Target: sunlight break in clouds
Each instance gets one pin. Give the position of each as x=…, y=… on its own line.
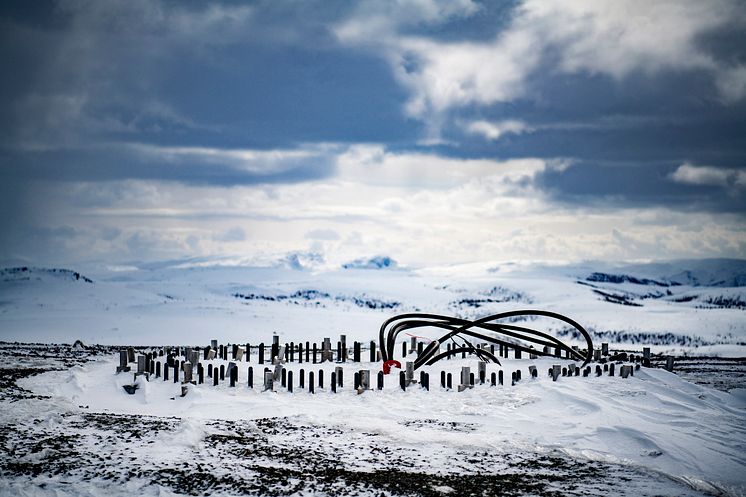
x=424, y=208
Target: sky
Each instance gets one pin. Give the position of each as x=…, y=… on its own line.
x=434, y=132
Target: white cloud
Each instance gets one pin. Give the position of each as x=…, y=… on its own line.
x=590, y=36
x=709, y=176
x=732, y=83
x=372, y=17
x=494, y=130
x=418, y=208
x=248, y=160
x=373, y=165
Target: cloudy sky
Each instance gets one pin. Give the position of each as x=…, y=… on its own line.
x=430, y=131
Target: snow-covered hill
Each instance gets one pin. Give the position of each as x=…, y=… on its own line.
x=188, y=302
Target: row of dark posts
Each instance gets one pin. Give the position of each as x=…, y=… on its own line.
x=468, y=378
x=311, y=352
x=148, y=364
x=292, y=352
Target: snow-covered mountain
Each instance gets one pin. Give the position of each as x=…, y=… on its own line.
x=193, y=301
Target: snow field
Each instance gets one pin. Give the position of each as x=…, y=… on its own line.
x=653, y=420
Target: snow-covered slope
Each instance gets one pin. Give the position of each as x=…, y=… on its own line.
x=653, y=420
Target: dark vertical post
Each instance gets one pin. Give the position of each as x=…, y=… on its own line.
x=339, y=352
x=500, y=377
x=215, y=378
x=314, y=352
x=302, y=382
x=261, y=353
x=442, y=379
x=300, y=353
x=380, y=380
x=471, y=379
x=449, y=381
x=333, y=381
x=284, y=378
x=158, y=369
x=222, y=372
x=209, y=370
x=404, y=349
x=200, y=374
x=290, y=381
x=493, y=379
x=274, y=352
x=292, y=351
x=356, y=351
x=355, y=380
x=176, y=372
x=251, y=377
x=165, y=372
x=234, y=376
x=669, y=364
x=308, y=350
x=310, y=381
x=248, y=352
x=420, y=346
x=321, y=378
x=403, y=378
x=372, y=351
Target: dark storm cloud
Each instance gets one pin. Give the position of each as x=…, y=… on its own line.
x=609, y=186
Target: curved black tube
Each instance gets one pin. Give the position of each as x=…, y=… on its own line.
x=461, y=328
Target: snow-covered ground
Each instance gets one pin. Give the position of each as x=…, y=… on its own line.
x=71, y=429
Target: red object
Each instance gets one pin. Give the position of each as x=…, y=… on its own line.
x=389, y=364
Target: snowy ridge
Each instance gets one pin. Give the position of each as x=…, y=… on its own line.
x=698, y=273
x=321, y=299
x=376, y=262
x=25, y=273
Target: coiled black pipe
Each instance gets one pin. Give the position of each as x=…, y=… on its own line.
x=461, y=328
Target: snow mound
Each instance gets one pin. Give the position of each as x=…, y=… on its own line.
x=652, y=420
